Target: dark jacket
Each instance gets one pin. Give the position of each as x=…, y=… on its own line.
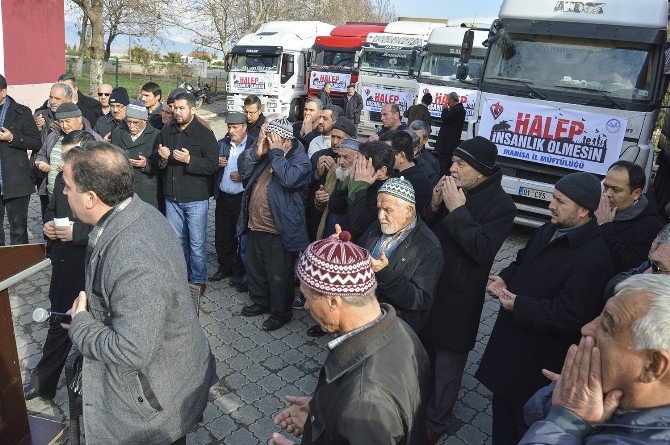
x=402, y=126
x=60, y=208
x=418, y=112
x=356, y=107
x=430, y=166
x=554, y=425
x=360, y=209
x=224, y=150
x=106, y=124
x=408, y=282
x=156, y=117
x=16, y=174
x=423, y=191
x=453, y=120
x=287, y=191
x=358, y=401
x=629, y=241
x=254, y=129
x=192, y=181
x=470, y=237
x=145, y=180
x=618, y=278
x=325, y=98
x=306, y=139
x=559, y=287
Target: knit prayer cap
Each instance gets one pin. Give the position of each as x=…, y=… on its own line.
x=351, y=144
x=400, y=188
x=137, y=110
x=67, y=110
x=282, y=127
x=336, y=266
x=583, y=188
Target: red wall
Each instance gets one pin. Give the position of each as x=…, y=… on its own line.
x=34, y=40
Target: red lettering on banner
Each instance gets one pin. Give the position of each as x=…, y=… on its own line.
x=249, y=80
x=536, y=127
x=522, y=121
x=561, y=127
x=440, y=99
x=329, y=78
x=576, y=128
x=547, y=127
x=386, y=98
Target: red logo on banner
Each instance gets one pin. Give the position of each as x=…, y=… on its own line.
x=496, y=110
x=367, y=91
x=426, y=91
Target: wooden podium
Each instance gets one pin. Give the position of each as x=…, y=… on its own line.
x=16, y=427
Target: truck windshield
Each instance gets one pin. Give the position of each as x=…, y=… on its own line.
x=255, y=62
x=338, y=58
x=386, y=59
x=623, y=70
x=443, y=67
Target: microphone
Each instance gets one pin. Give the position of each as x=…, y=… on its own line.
x=41, y=315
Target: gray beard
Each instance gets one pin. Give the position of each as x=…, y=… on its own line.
x=342, y=173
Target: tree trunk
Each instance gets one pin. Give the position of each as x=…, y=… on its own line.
x=83, y=44
x=97, y=44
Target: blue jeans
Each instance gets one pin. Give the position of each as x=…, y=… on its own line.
x=189, y=220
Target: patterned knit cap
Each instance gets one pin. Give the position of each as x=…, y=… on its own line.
x=400, y=188
x=282, y=127
x=336, y=266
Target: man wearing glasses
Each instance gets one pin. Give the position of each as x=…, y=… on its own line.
x=104, y=91
x=253, y=109
x=658, y=262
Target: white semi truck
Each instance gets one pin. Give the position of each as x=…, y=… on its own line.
x=438, y=72
x=271, y=63
x=570, y=86
x=387, y=68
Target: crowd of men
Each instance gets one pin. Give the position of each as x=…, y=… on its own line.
x=392, y=248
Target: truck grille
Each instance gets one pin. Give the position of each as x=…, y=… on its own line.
x=375, y=116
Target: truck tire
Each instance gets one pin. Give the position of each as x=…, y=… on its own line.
x=295, y=111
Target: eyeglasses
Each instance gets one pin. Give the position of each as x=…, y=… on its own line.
x=104, y=94
x=251, y=113
x=657, y=270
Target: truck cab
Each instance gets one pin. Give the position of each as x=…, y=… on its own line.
x=271, y=63
x=334, y=58
x=387, y=68
x=570, y=86
x=437, y=74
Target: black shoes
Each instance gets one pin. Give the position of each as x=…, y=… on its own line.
x=32, y=393
x=316, y=331
x=254, y=309
x=239, y=283
x=273, y=323
x=218, y=276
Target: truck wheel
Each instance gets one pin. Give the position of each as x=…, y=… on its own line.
x=295, y=111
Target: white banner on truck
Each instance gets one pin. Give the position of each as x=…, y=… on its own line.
x=375, y=98
x=250, y=82
x=440, y=92
x=575, y=140
x=340, y=81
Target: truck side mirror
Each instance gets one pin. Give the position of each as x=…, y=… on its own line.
x=288, y=67
x=495, y=32
x=466, y=47
x=412, y=64
x=228, y=62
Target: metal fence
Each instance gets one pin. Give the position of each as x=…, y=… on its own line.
x=132, y=76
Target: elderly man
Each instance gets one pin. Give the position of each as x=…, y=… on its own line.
x=307, y=130
x=374, y=384
x=614, y=386
x=471, y=215
x=253, y=109
x=453, y=120
x=118, y=102
x=186, y=153
x=228, y=190
x=49, y=160
x=147, y=365
x=18, y=134
x=402, y=143
x=327, y=117
x=546, y=295
x=626, y=219
x=45, y=118
x=273, y=216
x=391, y=121
x=423, y=157
x=324, y=94
x=151, y=95
x=104, y=91
x=406, y=255
x=352, y=105
x=137, y=137
x=90, y=108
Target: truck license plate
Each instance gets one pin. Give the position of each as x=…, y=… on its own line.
x=532, y=193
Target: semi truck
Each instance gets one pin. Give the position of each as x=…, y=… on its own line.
x=570, y=86
x=438, y=72
x=271, y=64
x=387, y=68
x=334, y=58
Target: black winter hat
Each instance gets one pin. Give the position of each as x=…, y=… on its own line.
x=479, y=153
x=119, y=96
x=345, y=124
x=583, y=188
x=67, y=110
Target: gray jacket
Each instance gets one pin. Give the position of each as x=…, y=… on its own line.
x=553, y=425
x=147, y=364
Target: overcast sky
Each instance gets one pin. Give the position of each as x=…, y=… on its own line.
x=447, y=8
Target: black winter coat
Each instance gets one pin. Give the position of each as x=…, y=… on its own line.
x=453, y=120
x=356, y=107
x=146, y=183
x=629, y=241
x=559, y=287
x=192, y=181
x=470, y=237
x=408, y=281
x=16, y=172
x=423, y=190
x=361, y=209
x=358, y=401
